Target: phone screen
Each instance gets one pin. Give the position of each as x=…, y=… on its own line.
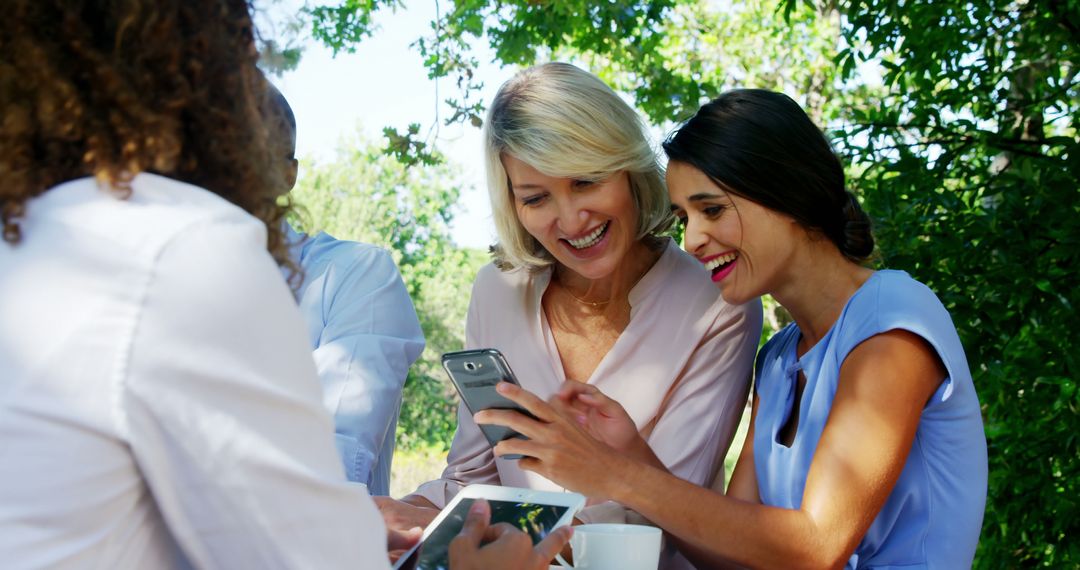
x=535, y=520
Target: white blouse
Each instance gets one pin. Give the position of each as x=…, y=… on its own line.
x=159, y=405
x=681, y=368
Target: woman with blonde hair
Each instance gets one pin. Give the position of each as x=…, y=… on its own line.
x=585, y=287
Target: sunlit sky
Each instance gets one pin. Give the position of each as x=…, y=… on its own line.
x=385, y=84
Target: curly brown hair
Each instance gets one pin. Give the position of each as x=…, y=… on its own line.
x=109, y=89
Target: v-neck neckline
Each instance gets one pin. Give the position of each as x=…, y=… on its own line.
x=636, y=294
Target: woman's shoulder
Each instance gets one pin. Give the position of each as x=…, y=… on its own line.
x=896, y=300
x=184, y=202
x=687, y=283
x=502, y=301
x=178, y=209
x=491, y=278
x=681, y=277
x=681, y=262
x=155, y=212
x=508, y=290
x=895, y=284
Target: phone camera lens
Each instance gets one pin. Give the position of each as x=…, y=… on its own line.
x=470, y=366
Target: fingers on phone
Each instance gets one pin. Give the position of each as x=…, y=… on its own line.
x=516, y=448
x=526, y=399
x=531, y=464
x=520, y=423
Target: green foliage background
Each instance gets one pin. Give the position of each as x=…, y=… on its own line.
x=959, y=124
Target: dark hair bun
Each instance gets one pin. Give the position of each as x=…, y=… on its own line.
x=856, y=238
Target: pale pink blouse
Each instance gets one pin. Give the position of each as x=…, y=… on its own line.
x=681, y=368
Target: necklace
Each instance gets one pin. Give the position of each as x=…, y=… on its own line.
x=601, y=303
x=583, y=301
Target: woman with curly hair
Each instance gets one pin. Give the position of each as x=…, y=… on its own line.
x=158, y=403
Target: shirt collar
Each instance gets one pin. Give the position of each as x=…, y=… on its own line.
x=297, y=242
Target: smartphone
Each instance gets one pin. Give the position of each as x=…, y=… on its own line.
x=475, y=373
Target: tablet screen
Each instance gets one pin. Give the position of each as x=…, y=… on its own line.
x=536, y=520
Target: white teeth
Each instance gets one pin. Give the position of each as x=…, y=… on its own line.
x=720, y=261
x=589, y=240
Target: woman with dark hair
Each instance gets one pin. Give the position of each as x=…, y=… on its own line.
x=866, y=446
x=158, y=401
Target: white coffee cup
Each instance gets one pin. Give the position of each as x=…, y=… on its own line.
x=614, y=547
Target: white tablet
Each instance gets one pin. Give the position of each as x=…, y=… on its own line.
x=534, y=512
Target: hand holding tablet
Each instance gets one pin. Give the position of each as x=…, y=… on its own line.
x=522, y=532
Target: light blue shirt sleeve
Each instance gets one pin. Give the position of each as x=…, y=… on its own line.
x=365, y=335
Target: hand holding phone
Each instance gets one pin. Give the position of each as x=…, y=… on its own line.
x=475, y=373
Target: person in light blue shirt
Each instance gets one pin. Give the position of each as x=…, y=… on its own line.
x=866, y=446
x=365, y=335
x=363, y=329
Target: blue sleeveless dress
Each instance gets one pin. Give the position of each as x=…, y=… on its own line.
x=933, y=516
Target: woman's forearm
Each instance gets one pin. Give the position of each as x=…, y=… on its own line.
x=643, y=452
x=721, y=529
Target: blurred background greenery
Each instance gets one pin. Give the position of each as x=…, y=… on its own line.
x=958, y=124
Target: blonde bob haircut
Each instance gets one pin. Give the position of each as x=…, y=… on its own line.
x=566, y=123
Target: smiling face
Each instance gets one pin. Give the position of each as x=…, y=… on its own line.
x=588, y=226
x=747, y=248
